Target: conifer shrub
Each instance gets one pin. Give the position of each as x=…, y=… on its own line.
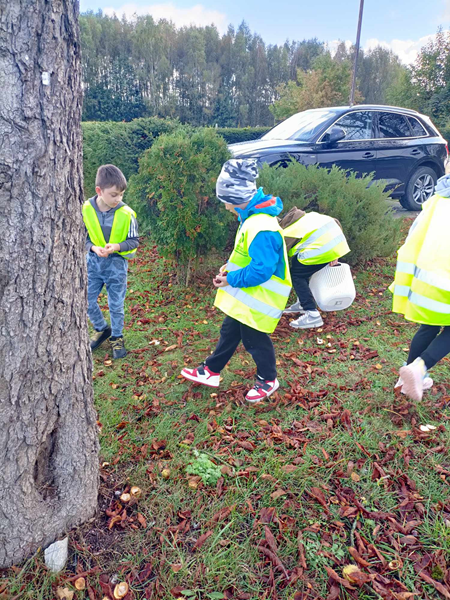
x=358, y=203
x=174, y=196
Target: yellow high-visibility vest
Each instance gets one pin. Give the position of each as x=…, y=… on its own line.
x=260, y=306
x=119, y=231
x=421, y=286
x=321, y=240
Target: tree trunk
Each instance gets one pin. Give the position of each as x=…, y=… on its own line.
x=48, y=431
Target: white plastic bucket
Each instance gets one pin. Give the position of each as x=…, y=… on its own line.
x=333, y=287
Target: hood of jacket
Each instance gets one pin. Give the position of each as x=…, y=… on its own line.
x=261, y=204
x=443, y=186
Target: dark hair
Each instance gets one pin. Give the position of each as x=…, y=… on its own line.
x=109, y=176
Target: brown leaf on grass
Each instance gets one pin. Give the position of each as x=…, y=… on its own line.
x=274, y=560
x=408, y=540
x=337, y=578
x=201, y=540
x=64, y=593
x=176, y=567
x=172, y=347
x=270, y=540
x=354, y=575
x=318, y=495
x=356, y=556
x=246, y=445
x=221, y=515
x=278, y=493
x=176, y=591
x=289, y=468
x=267, y=515
x=438, y=586
x=335, y=592
x=142, y=520
x=113, y=521
x=301, y=551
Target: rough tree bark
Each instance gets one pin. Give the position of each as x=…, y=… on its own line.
x=48, y=431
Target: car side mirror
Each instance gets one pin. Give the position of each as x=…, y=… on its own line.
x=336, y=134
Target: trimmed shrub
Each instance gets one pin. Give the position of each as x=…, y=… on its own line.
x=369, y=227
x=121, y=144
x=174, y=194
x=234, y=135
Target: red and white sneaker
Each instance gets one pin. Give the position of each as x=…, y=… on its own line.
x=262, y=390
x=202, y=375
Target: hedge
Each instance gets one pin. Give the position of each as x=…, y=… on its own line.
x=123, y=144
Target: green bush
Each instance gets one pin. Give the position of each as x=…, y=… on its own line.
x=445, y=132
x=234, y=135
x=120, y=144
x=368, y=224
x=174, y=194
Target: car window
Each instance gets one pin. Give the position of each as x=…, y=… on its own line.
x=357, y=125
x=302, y=126
x=393, y=125
x=417, y=127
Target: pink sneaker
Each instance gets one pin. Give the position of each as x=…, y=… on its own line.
x=413, y=376
x=262, y=390
x=202, y=375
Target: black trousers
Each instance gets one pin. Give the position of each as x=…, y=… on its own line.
x=301, y=274
x=257, y=343
x=431, y=344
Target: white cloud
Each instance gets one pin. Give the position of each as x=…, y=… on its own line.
x=333, y=45
x=197, y=15
x=446, y=14
x=407, y=50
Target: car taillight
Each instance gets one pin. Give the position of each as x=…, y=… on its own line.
x=446, y=147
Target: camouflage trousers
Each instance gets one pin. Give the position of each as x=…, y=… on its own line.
x=110, y=272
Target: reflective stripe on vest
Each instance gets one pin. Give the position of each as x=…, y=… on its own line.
x=270, y=284
x=119, y=230
x=261, y=306
x=320, y=239
x=421, y=288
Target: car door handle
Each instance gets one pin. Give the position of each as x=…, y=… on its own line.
x=368, y=155
x=416, y=152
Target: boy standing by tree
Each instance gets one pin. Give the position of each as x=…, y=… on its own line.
x=254, y=286
x=112, y=240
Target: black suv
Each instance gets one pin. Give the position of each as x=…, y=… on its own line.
x=400, y=146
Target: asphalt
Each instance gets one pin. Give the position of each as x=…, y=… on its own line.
x=400, y=212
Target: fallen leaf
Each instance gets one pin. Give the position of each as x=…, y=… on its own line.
x=201, y=540
x=354, y=575
x=142, y=520
x=172, y=347
x=64, y=593
x=176, y=567
x=277, y=494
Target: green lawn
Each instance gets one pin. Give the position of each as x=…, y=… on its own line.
x=334, y=471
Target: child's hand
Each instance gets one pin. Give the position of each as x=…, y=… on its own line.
x=334, y=263
x=99, y=251
x=110, y=248
x=223, y=268
x=220, y=281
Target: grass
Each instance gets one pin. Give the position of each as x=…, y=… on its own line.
x=318, y=467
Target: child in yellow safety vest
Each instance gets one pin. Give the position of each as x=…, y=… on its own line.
x=421, y=290
x=254, y=286
x=313, y=241
x=112, y=240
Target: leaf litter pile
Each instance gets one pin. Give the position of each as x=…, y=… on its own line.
x=337, y=488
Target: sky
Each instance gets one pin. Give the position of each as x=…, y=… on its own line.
x=401, y=25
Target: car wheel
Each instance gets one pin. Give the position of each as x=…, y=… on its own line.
x=420, y=188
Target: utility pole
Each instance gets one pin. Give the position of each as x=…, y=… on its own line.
x=355, y=64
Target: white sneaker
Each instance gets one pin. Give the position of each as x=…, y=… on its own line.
x=262, y=390
x=413, y=376
x=202, y=375
x=294, y=308
x=310, y=319
x=427, y=384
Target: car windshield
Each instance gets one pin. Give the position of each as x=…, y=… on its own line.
x=302, y=126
